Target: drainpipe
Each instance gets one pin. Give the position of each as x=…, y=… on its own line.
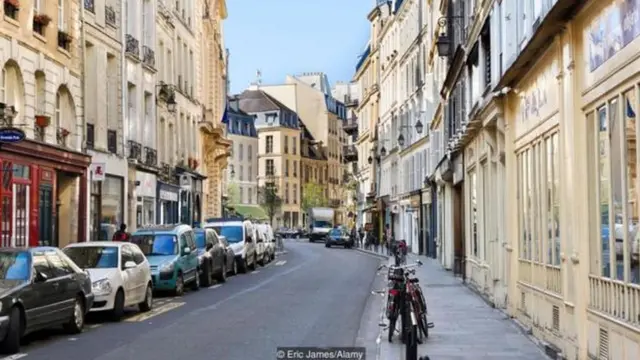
x=83, y=50
x=123, y=96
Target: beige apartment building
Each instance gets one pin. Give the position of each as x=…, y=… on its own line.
x=309, y=96
x=279, y=157
x=41, y=52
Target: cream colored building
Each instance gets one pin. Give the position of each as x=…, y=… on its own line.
x=41, y=91
x=309, y=96
x=552, y=175
x=243, y=162
x=103, y=84
x=279, y=155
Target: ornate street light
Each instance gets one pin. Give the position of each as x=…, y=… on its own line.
x=401, y=140
x=370, y=160
x=383, y=151
x=444, y=43
x=419, y=127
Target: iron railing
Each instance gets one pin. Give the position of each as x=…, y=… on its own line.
x=132, y=46
x=151, y=156
x=135, y=150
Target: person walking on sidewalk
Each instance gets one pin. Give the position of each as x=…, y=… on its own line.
x=122, y=234
x=388, y=240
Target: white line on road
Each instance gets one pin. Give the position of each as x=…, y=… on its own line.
x=92, y=326
x=14, y=357
x=214, y=286
x=155, y=312
x=255, y=272
x=281, y=262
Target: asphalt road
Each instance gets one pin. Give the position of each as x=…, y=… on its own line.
x=310, y=296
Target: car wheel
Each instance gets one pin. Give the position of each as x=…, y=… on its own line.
x=327, y=245
x=11, y=343
x=206, y=275
x=222, y=277
x=242, y=265
x=254, y=262
x=195, y=285
x=118, y=306
x=261, y=262
x=179, y=290
x=147, y=304
x=76, y=323
x=234, y=267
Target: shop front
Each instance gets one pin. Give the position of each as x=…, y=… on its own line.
x=43, y=195
x=168, y=204
x=146, y=192
x=106, y=197
x=190, y=199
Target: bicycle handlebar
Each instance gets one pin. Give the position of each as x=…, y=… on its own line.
x=404, y=267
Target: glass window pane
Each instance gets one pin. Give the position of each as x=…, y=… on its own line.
x=112, y=207
x=556, y=198
x=617, y=189
x=604, y=187
x=632, y=185
x=549, y=206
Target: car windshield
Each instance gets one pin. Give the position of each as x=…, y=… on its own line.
x=156, y=244
x=93, y=257
x=201, y=239
x=322, y=224
x=233, y=233
x=335, y=232
x=15, y=265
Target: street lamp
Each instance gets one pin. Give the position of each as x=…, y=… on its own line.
x=370, y=160
x=419, y=127
x=169, y=96
x=233, y=172
x=383, y=151
x=7, y=114
x=444, y=40
x=401, y=140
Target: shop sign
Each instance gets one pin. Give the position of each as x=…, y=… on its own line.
x=185, y=182
x=98, y=171
x=538, y=99
x=147, y=184
x=614, y=29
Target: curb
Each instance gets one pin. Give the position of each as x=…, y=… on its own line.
x=381, y=256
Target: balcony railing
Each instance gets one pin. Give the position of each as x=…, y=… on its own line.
x=132, y=46
x=350, y=126
x=61, y=136
x=135, y=151
x=148, y=57
x=110, y=16
x=150, y=157
x=167, y=173
x=350, y=101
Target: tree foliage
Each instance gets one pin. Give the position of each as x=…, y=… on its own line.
x=313, y=196
x=233, y=193
x=269, y=199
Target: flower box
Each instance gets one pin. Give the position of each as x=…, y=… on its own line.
x=64, y=39
x=43, y=121
x=42, y=19
x=11, y=8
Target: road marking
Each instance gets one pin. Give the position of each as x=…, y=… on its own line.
x=255, y=272
x=92, y=326
x=214, y=286
x=281, y=262
x=155, y=312
x=14, y=357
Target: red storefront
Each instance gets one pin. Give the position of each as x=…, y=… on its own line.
x=33, y=175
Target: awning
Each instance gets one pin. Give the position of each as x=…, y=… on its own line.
x=250, y=211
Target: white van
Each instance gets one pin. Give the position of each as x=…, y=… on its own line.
x=269, y=242
x=242, y=238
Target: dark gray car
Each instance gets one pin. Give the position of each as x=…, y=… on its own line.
x=232, y=264
x=212, y=256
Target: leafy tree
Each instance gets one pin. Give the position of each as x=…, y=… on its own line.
x=233, y=192
x=269, y=199
x=313, y=196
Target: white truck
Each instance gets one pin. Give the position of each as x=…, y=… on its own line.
x=320, y=221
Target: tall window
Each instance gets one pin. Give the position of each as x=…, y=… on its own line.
x=58, y=106
x=294, y=145
x=474, y=211
x=269, y=168
x=295, y=168
x=250, y=151
x=62, y=21
x=241, y=173
x=295, y=195
x=240, y=152
x=269, y=144
x=286, y=168
x=286, y=144
x=286, y=193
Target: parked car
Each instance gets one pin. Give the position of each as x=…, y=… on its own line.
x=172, y=253
x=241, y=236
x=40, y=288
x=261, y=247
x=232, y=265
x=120, y=275
x=340, y=237
x=270, y=244
x=211, y=256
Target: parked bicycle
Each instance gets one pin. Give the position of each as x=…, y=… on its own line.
x=404, y=297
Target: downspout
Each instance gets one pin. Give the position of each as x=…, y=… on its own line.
x=123, y=96
x=83, y=50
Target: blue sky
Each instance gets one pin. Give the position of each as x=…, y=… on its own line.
x=282, y=37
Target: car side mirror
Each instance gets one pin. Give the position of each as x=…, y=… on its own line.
x=209, y=246
x=40, y=277
x=186, y=251
x=129, y=265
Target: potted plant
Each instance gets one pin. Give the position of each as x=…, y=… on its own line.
x=195, y=164
x=11, y=8
x=64, y=39
x=43, y=121
x=63, y=132
x=42, y=19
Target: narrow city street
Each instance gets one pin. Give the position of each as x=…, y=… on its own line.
x=310, y=296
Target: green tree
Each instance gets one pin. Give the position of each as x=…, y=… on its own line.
x=269, y=199
x=313, y=196
x=233, y=193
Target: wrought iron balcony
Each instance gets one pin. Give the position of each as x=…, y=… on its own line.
x=150, y=157
x=349, y=153
x=148, y=56
x=350, y=126
x=132, y=46
x=135, y=150
x=110, y=16
x=335, y=203
x=167, y=173
x=350, y=101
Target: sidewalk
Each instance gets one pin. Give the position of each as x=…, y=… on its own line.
x=465, y=326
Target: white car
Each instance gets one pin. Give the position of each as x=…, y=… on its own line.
x=269, y=241
x=120, y=275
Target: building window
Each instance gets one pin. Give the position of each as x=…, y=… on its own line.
x=112, y=141
x=270, y=168
x=286, y=193
x=474, y=211
x=250, y=151
x=112, y=214
x=241, y=173
x=295, y=168
x=286, y=168
x=269, y=144
x=286, y=144
x=240, y=152
x=249, y=194
x=295, y=195
x=90, y=136
x=294, y=147
x=250, y=173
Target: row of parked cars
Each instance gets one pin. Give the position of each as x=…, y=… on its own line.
x=43, y=287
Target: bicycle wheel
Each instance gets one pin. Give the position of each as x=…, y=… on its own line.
x=421, y=311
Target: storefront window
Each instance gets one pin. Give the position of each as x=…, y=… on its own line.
x=112, y=206
x=633, y=236
x=552, y=182
x=474, y=212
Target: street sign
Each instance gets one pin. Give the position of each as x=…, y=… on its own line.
x=98, y=171
x=10, y=135
x=185, y=182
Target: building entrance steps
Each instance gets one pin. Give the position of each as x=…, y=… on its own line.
x=465, y=327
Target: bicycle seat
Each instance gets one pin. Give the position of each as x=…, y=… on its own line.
x=414, y=280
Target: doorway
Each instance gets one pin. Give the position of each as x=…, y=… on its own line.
x=66, y=210
x=459, y=251
x=45, y=212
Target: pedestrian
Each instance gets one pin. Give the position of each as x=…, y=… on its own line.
x=122, y=234
x=361, y=237
x=389, y=239
x=375, y=241
x=354, y=235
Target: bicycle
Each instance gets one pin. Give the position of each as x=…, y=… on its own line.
x=402, y=287
x=400, y=252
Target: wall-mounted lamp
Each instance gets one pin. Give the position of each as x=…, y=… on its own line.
x=168, y=93
x=444, y=43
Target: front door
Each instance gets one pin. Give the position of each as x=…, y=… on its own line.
x=20, y=209
x=45, y=211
